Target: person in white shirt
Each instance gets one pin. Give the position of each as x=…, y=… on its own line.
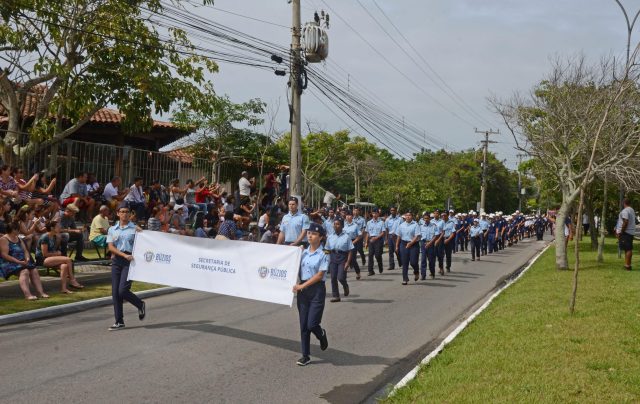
x=111, y=193
x=136, y=199
x=244, y=186
x=329, y=197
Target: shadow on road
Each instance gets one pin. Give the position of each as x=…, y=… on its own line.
x=369, y=301
x=334, y=356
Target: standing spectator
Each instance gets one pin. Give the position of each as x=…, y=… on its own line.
x=625, y=231
x=263, y=222
x=76, y=192
x=70, y=232
x=135, y=199
x=244, y=186
x=100, y=227
x=585, y=223
x=120, y=238
x=190, y=197
x=112, y=194
x=203, y=194
x=17, y=261
x=176, y=194
x=270, y=189
x=49, y=255
x=329, y=197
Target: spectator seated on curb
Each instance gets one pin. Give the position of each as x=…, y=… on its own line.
x=5, y=208
x=27, y=226
x=177, y=223
x=8, y=186
x=199, y=226
x=112, y=195
x=70, y=232
x=228, y=228
x=156, y=220
x=15, y=260
x=76, y=192
x=49, y=255
x=43, y=191
x=136, y=199
x=100, y=227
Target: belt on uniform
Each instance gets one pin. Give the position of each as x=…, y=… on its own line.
x=126, y=252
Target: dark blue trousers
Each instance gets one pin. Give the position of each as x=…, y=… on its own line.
x=492, y=244
x=448, y=248
x=375, y=250
x=409, y=256
x=391, y=240
x=336, y=268
x=310, y=308
x=440, y=253
x=354, y=258
x=359, y=246
x=485, y=240
x=121, y=288
x=428, y=254
x=476, y=243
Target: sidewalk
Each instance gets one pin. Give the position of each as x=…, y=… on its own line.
x=87, y=273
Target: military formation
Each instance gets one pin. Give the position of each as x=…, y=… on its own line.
x=334, y=241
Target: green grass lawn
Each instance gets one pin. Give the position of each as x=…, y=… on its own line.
x=526, y=347
x=15, y=305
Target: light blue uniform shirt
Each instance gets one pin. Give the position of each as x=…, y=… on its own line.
x=122, y=237
x=391, y=224
x=475, y=231
x=352, y=229
x=407, y=231
x=292, y=226
x=328, y=226
x=439, y=223
x=360, y=222
x=484, y=225
x=312, y=263
x=375, y=227
x=448, y=228
x=428, y=231
x=341, y=242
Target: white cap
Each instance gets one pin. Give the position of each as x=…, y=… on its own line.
x=178, y=207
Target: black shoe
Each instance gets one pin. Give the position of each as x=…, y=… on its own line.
x=357, y=277
x=405, y=283
x=432, y=276
x=379, y=271
x=324, y=342
x=116, y=326
x=371, y=273
x=473, y=259
x=416, y=277
x=142, y=311
x=346, y=290
x=81, y=259
x=335, y=300
x=448, y=269
x=390, y=269
x=304, y=361
x=424, y=278
x=364, y=261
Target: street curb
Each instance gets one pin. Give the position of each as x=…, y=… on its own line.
x=63, y=309
x=449, y=338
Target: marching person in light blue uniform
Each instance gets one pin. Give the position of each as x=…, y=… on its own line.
x=484, y=226
x=360, y=244
x=312, y=292
x=328, y=222
x=427, y=246
x=391, y=224
x=340, y=248
x=374, y=240
x=294, y=225
x=408, y=233
x=439, y=243
x=477, y=236
x=120, y=239
x=449, y=230
x=355, y=235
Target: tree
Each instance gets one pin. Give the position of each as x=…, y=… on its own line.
x=79, y=56
x=578, y=123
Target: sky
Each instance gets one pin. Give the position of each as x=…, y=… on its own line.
x=480, y=48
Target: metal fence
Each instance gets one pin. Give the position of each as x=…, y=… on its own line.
x=70, y=157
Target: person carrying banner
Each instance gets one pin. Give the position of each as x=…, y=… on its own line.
x=311, y=292
x=120, y=238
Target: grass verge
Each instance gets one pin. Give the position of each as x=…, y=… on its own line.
x=16, y=305
x=526, y=347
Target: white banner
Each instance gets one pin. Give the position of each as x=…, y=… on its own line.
x=245, y=269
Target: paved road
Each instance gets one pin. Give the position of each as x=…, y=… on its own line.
x=198, y=347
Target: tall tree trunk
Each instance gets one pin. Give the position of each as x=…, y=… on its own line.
x=574, y=289
x=603, y=227
x=561, y=247
x=588, y=203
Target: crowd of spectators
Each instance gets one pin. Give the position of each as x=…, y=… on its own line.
x=40, y=228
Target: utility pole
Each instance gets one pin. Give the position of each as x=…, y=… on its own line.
x=485, y=148
x=520, y=156
x=295, y=174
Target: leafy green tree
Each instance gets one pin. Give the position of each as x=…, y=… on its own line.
x=79, y=56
